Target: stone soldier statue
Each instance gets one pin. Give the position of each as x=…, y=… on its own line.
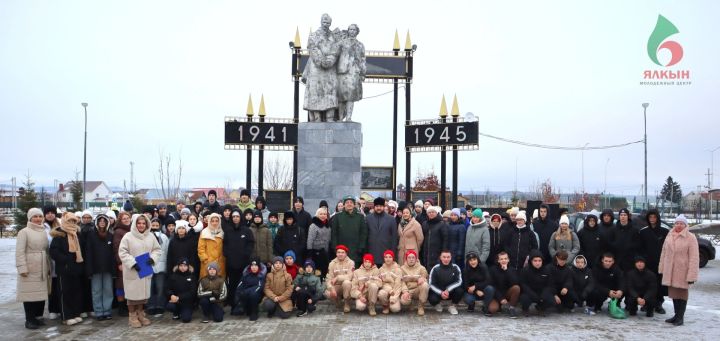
x=320, y=74
x=350, y=72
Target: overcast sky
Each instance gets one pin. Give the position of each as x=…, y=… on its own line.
x=161, y=75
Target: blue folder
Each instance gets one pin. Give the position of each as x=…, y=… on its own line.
x=142, y=262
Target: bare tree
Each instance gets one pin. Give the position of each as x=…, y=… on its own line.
x=169, y=180
x=277, y=174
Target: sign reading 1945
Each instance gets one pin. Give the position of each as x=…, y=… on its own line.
x=430, y=136
x=273, y=134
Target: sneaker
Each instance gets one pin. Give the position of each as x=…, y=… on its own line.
x=158, y=315
x=253, y=317
x=660, y=310
x=53, y=316
x=452, y=310
x=176, y=317
x=92, y=314
x=31, y=325
x=301, y=313
x=439, y=307
x=205, y=320
x=108, y=317
x=513, y=313
x=487, y=312
x=471, y=308
x=589, y=311
x=39, y=321
x=84, y=315
x=79, y=319
x=70, y=322
x=311, y=309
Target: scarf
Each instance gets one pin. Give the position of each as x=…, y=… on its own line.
x=404, y=223
x=71, y=230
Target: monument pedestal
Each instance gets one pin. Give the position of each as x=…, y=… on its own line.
x=329, y=165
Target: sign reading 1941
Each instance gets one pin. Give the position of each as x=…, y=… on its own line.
x=426, y=135
x=272, y=134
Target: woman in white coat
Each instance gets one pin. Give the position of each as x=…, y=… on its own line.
x=33, y=267
x=137, y=290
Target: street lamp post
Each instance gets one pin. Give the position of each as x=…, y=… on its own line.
x=85, y=158
x=582, y=166
x=605, y=188
x=645, y=105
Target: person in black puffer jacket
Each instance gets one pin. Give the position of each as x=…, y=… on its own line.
x=478, y=285
x=592, y=241
x=238, y=247
x=250, y=290
x=583, y=283
x=290, y=236
x=641, y=285
x=609, y=282
x=562, y=280
x=182, y=291
x=435, y=231
x=506, y=282
x=499, y=234
x=520, y=242
x=100, y=266
x=544, y=227
x=536, y=284
x=650, y=242
x=623, y=240
x=184, y=245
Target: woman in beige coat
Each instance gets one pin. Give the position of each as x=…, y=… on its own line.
x=410, y=233
x=137, y=290
x=679, y=264
x=33, y=267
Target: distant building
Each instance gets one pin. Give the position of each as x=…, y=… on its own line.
x=94, y=191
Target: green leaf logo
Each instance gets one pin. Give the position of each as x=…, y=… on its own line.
x=664, y=29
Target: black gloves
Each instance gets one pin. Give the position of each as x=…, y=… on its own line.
x=150, y=262
x=136, y=267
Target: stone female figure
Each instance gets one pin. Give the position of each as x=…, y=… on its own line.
x=351, y=72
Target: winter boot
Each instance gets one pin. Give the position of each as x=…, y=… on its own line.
x=122, y=309
x=371, y=310
x=346, y=306
x=133, y=321
x=680, y=320
x=421, y=309
x=141, y=316
x=675, y=309
x=386, y=310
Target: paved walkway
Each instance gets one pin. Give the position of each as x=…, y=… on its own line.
x=702, y=322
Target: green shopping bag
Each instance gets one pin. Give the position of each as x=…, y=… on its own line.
x=615, y=311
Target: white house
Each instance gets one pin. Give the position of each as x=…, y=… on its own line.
x=95, y=191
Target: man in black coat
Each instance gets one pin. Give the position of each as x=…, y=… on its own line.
x=238, y=247
x=544, y=227
x=212, y=204
x=382, y=231
x=650, y=242
x=641, y=288
x=609, y=282
x=506, y=282
x=623, y=240
x=435, y=231
x=536, y=285
x=562, y=280
x=303, y=219
x=592, y=241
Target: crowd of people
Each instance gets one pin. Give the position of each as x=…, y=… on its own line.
x=391, y=256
